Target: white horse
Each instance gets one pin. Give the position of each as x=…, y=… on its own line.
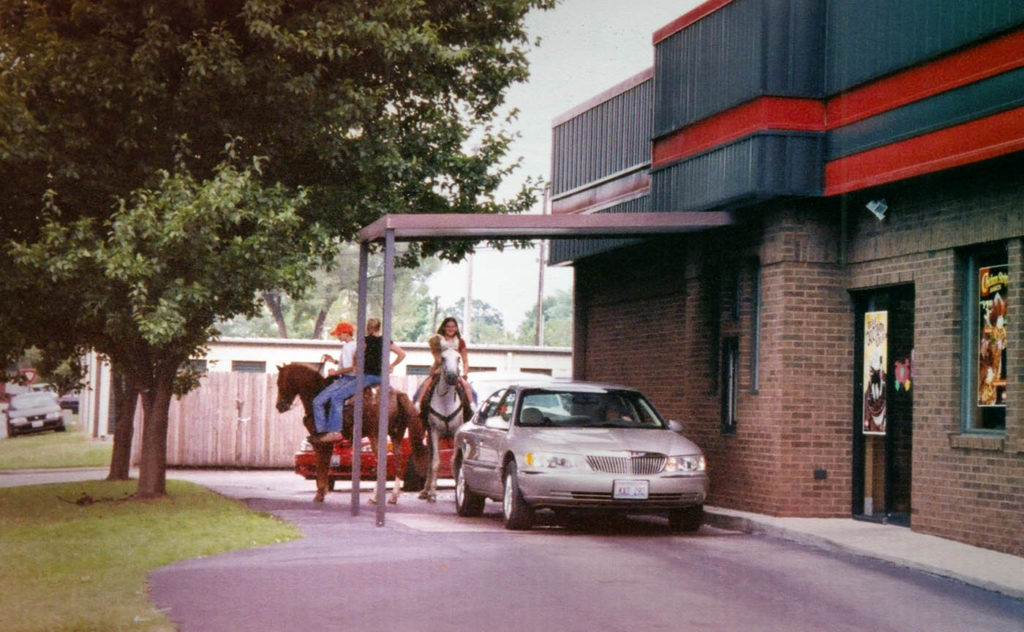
x=447, y=410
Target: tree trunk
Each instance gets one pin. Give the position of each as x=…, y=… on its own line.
x=126, y=396
x=273, y=301
x=318, y=327
x=156, y=403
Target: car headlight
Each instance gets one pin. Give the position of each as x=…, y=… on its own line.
x=686, y=463
x=550, y=460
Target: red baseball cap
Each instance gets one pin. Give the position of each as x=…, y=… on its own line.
x=343, y=327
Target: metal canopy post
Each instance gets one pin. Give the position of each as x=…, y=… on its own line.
x=385, y=382
x=357, y=409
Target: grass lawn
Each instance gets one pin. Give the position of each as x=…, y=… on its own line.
x=75, y=556
x=53, y=449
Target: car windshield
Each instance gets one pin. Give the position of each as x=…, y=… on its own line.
x=32, y=400
x=588, y=409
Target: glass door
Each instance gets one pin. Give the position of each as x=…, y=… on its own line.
x=883, y=404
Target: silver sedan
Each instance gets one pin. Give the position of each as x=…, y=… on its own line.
x=576, y=445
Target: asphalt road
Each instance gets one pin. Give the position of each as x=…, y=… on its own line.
x=428, y=570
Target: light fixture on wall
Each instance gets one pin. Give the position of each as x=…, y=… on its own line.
x=878, y=208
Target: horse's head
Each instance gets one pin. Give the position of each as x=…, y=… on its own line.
x=450, y=365
x=286, y=388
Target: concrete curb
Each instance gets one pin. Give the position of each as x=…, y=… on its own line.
x=974, y=566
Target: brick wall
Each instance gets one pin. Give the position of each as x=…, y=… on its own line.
x=654, y=316
x=967, y=487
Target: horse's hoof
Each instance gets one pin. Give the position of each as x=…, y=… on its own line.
x=431, y=498
x=319, y=498
x=423, y=495
x=392, y=501
x=372, y=500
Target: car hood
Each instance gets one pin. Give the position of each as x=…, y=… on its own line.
x=33, y=403
x=605, y=440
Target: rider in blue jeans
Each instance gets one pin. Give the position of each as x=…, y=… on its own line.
x=345, y=373
x=372, y=370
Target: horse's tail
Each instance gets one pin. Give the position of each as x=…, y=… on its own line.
x=414, y=423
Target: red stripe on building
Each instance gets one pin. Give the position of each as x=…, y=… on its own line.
x=766, y=113
x=982, y=139
x=688, y=18
x=971, y=65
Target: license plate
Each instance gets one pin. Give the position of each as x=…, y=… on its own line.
x=37, y=424
x=335, y=460
x=630, y=490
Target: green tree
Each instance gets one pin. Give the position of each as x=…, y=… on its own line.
x=367, y=107
x=334, y=297
x=487, y=326
x=178, y=258
x=557, y=310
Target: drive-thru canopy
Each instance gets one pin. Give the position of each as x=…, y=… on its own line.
x=422, y=227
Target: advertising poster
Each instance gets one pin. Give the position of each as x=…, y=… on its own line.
x=992, y=285
x=875, y=361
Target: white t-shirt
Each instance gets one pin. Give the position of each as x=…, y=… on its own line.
x=348, y=355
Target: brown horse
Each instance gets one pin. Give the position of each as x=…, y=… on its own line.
x=302, y=381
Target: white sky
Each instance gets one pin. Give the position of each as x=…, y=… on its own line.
x=587, y=46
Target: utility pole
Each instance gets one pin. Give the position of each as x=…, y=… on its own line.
x=538, y=337
x=467, y=311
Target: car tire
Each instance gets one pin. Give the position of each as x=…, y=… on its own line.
x=61, y=428
x=468, y=504
x=687, y=519
x=517, y=512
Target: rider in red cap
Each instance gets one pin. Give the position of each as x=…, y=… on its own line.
x=335, y=391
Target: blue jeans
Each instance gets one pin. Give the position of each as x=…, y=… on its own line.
x=336, y=393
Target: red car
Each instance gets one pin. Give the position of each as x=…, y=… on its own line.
x=341, y=463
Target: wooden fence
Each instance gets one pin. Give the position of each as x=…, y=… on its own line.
x=231, y=421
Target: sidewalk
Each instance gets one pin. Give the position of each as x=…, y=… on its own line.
x=998, y=572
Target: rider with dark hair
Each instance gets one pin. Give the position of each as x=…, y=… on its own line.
x=448, y=336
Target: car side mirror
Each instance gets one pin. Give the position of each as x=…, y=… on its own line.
x=496, y=423
x=675, y=426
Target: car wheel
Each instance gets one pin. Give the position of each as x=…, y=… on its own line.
x=518, y=513
x=687, y=519
x=467, y=503
x=61, y=428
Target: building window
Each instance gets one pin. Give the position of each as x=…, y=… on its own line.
x=248, y=366
x=984, y=388
x=730, y=383
x=755, y=326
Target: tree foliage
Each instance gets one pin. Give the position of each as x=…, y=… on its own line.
x=135, y=234
x=557, y=311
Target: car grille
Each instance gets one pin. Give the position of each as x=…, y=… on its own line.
x=636, y=464
x=676, y=498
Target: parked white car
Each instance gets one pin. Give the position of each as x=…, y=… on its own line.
x=34, y=411
x=577, y=446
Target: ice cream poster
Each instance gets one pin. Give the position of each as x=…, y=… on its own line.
x=992, y=285
x=876, y=359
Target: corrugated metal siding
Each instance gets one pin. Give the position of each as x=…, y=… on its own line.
x=984, y=98
x=611, y=138
x=757, y=167
x=871, y=38
x=747, y=49
x=563, y=250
